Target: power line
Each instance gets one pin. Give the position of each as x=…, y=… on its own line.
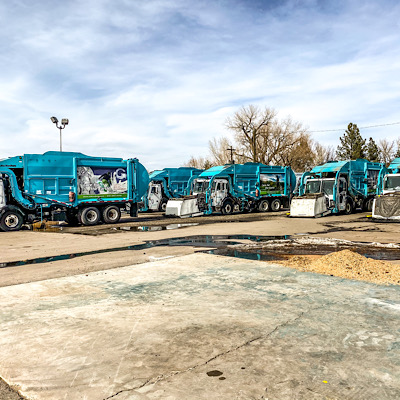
x=361, y=127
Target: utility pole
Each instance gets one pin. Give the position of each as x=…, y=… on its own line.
x=231, y=150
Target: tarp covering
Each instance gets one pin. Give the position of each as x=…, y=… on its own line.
x=388, y=206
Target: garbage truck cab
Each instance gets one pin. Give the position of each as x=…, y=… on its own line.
x=326, y=187
x=387, y=204
x=167, y=184
x=391, y=184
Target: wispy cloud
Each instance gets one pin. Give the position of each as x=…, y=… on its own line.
x=157, y=79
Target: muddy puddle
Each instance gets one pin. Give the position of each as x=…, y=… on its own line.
x=155, y=228
x=55, y=227
x=262, y=248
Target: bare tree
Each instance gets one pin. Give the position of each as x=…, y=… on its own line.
x=261, y=137
x=300, y=156
x=250, y=125
x=285, y=136
x=323, y=154
x=387, y=150
x=199, y=162
x=397, y=155
x=219, y=150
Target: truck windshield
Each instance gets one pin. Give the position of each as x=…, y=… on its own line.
x=313, y=186
x=392, y=183
x=200, y=186
x=327, y=187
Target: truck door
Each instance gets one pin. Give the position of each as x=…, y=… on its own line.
x=154, y=196
x=219, y=192
x=342, y=194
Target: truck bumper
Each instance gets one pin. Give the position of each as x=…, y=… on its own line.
x=386, y=207
x=308, y=207
x=183, y=208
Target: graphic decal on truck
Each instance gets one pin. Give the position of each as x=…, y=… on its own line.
x=272, y=184
x=102, y=182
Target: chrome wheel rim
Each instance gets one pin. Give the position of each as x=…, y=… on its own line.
x=112, y=214
x=91, y=216
x=11, y=221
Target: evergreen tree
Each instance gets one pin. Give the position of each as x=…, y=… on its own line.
x=373, y=153
x=352, y=145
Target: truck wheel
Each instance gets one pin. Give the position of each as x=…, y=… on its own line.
x=227, y=207
x=163, y=205
x=275, y=205
x=11, y=221
x=263, y=205
x=348, y=209
x=111, y=214
x=89, y=216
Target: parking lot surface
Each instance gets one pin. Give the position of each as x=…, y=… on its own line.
x=201, y=326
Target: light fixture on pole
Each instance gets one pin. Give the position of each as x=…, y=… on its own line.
x=64, y=122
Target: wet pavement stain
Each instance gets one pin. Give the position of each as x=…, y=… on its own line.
x=154, y=228
x=214, y=372
x=195, y=241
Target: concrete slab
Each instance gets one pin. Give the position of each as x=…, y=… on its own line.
x=201, y=327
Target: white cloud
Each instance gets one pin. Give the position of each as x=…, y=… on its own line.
x=157, y=79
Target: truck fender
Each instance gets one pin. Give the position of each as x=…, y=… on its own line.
x=10, y=207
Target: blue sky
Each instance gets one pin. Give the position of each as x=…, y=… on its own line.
x=156, y=79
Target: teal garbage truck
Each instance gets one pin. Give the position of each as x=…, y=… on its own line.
x=68, y=186
x=166, y=184
x=337, y=187
x=236, y=188
x=387, y=204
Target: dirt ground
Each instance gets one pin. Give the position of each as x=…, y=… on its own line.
x=29, y=256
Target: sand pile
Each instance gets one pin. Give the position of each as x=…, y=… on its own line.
x=350, y=265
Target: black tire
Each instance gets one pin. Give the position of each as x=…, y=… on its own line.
x=348, y=208
x=276, y=205
x=111, y=214
x=263, y=205
x=89, y=216
x=11, y=220
x=163, y=205
x=227, y=207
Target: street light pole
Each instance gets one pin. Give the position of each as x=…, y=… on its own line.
x=64, y=122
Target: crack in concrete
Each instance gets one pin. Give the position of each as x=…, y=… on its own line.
x=161, y=377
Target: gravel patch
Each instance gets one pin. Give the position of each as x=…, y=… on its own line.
x=7, y=393
x=350, y=265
